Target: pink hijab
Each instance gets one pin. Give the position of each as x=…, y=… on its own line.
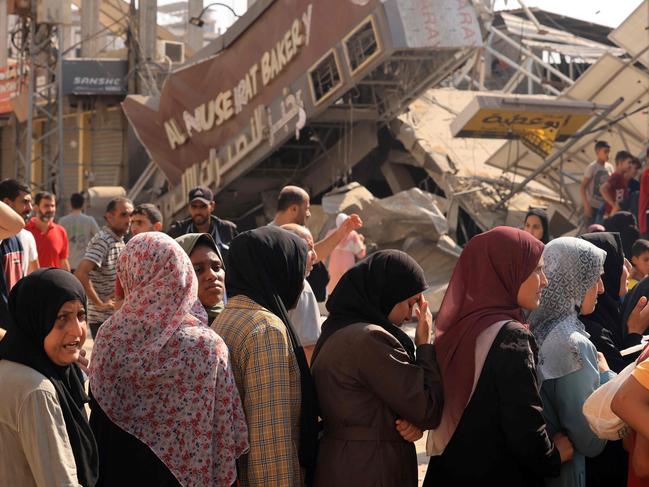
x=483, y=290
x=159, y=373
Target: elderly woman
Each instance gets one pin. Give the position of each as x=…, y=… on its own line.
x=45, y=437
x=166, y=409
x=568, y=366
x=210, y=271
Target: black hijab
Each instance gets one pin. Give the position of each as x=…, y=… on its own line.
x=34, y=303
x=367, y=292
x=268, y=265
x=626, y=225
x=631, y=300
x=608, y=312
x=543, y=216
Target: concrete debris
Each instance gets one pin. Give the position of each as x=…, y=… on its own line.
x=410, y=220
x=406, y=214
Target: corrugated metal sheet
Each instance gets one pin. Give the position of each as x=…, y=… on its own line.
x=106, y=144
x=71, y=160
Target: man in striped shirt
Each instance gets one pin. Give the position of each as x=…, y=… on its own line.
x=97, y=269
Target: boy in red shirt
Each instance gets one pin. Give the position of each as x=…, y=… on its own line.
x=615, y=190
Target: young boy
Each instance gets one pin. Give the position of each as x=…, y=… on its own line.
x=640, y=261
x=146, y=218
x=595, y=175
x=633, y=185
x=615, y=190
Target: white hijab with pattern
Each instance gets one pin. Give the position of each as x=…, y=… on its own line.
x=572, y=266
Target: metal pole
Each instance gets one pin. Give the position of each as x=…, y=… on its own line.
x=3, y=32
x=524, y=50
x=59, y=118
x=521, y=69
x=560, y=152
x=531, y=16
x=30, y=112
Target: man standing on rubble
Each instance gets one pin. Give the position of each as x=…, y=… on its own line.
x=596, y=174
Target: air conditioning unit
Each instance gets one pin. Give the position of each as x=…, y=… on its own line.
x=171, y=51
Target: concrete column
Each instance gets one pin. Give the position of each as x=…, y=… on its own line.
x=194, y=34
x=147, y=24
x=90, y=41
x=3, y=32
x=397, y=177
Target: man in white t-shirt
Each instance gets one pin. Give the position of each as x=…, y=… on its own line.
x=596, y=174
x=18, y=197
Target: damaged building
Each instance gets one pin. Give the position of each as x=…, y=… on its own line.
x=363, y=117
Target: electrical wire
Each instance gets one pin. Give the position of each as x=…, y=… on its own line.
x=96, y=34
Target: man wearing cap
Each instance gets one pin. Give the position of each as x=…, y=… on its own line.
x=201, y=220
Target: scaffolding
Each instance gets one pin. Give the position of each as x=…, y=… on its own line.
x=39, y=140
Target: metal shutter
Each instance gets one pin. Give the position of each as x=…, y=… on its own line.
x=106, y=129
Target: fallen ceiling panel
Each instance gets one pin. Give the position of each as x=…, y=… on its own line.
x=631, y=34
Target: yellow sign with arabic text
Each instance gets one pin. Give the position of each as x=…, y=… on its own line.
x=511, y=124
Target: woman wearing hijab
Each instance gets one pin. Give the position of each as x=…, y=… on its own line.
x=367, y=376
x=607, y=326
x=266, y=269
x=626, y=225
x=166, y=410
x=44, y=432
x=344, y=256
x=536, y=224
x=568, y=366
x=492, y=431
x=606, y=329
x=210, y=270
x=635, y=314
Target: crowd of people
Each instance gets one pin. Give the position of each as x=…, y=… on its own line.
x=211, y=364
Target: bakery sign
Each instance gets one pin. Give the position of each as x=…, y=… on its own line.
x=245, y=100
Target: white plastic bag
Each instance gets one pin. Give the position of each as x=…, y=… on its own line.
x=597, y=408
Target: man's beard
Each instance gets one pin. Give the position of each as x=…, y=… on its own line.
x=199, y=220
x=46, y=217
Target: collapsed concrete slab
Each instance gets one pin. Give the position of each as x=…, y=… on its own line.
x=458, y=166
x=409, y=220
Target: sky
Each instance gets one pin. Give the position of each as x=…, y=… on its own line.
x=604, y=12
x=223, y=15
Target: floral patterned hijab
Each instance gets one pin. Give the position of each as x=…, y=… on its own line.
x=572, y=266
x=160, y=374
